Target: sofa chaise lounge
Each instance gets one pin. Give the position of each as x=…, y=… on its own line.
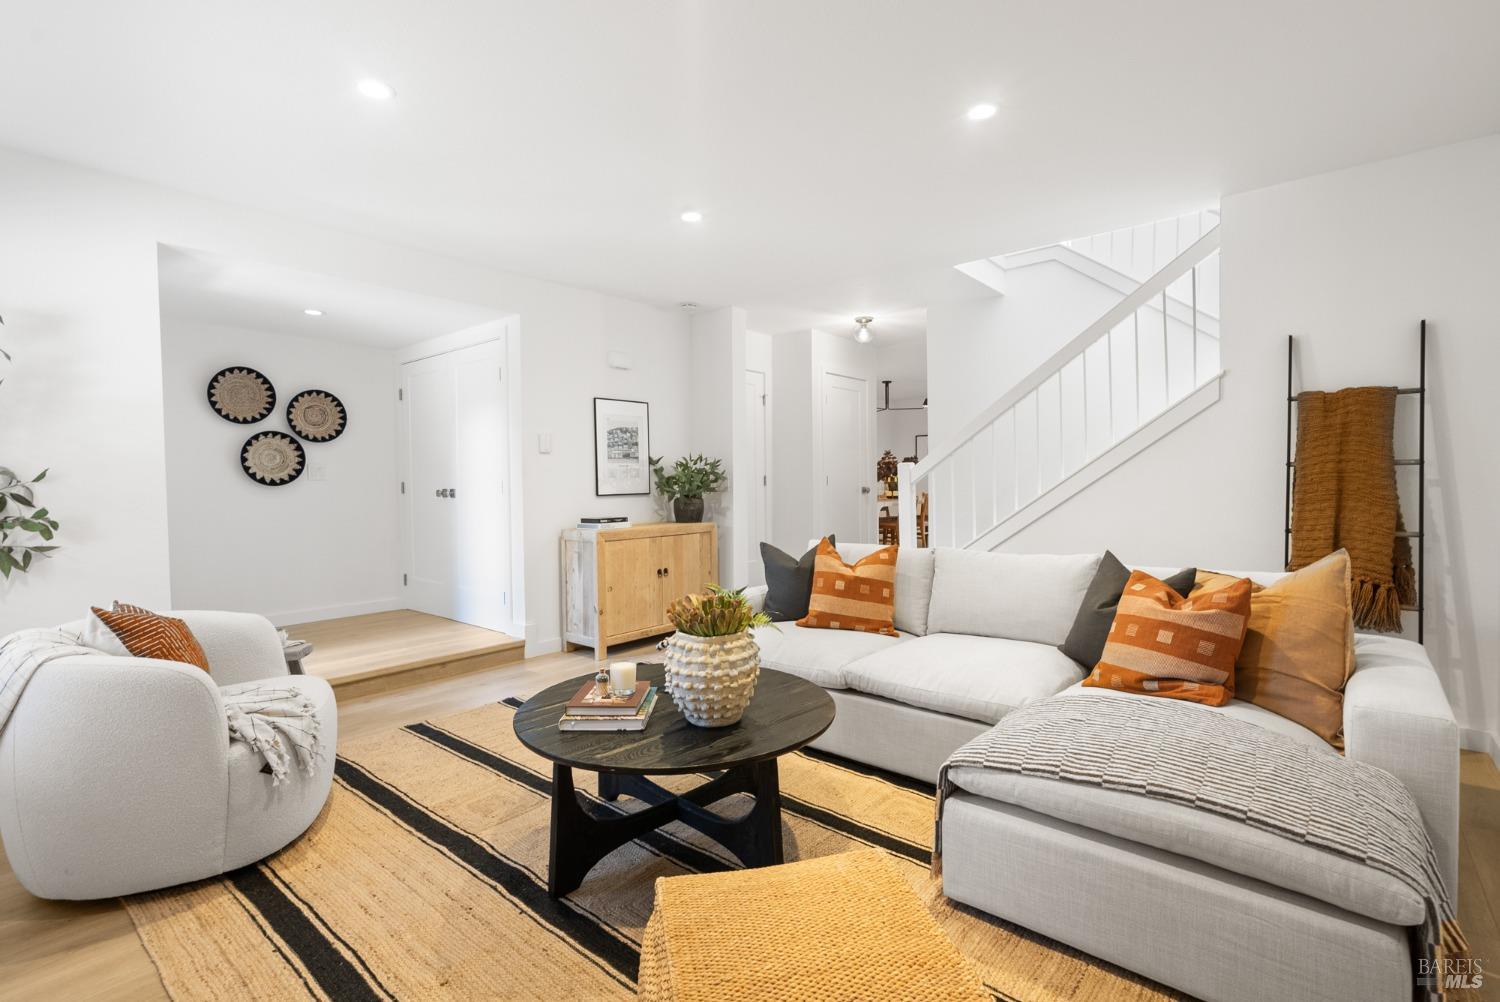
x=1200, y=903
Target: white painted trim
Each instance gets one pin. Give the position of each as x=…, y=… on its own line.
x=490, y=330
x=1474, y=739
x=1177, y=309
x=1189, y=407
x=294, y=616
x=548, y=645
x=1148, y=290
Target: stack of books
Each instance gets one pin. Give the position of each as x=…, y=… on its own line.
x=589, y=711
x=607, y=522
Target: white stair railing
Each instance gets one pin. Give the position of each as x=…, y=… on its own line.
x=1129, y=371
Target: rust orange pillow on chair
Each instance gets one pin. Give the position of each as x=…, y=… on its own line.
x=860, y=597
x=1162, y=644
x=147, y=635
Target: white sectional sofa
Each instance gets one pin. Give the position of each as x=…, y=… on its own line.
x=1199, y=903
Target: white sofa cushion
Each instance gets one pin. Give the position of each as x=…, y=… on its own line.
x=914, y=568
x=981, y=678
x=819, y=656
x=1018, y=596
x=1205, y=836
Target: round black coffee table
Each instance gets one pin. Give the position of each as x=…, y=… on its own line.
x=785, y=714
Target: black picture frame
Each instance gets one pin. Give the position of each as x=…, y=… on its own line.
x=610, y=475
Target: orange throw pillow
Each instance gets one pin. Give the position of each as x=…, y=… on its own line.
x=861, y=597
x=1162, y=644
x=1299, y=645
x=147, y=635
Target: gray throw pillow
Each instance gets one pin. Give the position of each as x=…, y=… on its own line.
x=1090, y=632
x=788, y=582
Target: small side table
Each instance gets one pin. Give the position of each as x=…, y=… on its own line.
x=294, y=651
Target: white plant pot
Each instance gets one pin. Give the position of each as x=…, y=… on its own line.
x=711, y=679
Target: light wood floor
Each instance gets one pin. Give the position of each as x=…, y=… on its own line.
x=382, y=651
x=61, y=950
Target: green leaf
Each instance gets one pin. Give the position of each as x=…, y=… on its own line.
x=39, y=513
x=40, y=476
x=6, y=562
x=26, y=560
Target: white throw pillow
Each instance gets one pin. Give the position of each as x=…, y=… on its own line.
x=1018, y=596
x=94, y=634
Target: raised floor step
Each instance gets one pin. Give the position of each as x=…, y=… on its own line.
x=381, y=651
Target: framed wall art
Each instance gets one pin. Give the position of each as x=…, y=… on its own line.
x=622, y=444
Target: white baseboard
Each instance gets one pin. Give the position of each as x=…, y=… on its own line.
x=543, y=645
x=333, y=611
x=1474, y=739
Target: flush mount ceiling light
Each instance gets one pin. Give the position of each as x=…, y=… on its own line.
x=863, y=334
x=981, y=112
x=692, y=216
x=312, y=312
x=376, y=90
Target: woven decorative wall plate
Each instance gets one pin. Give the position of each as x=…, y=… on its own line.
x=273, y=458
x=241, y=394
x=317, y=415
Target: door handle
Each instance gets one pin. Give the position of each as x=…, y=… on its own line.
x=864, y=490
x=453, y=492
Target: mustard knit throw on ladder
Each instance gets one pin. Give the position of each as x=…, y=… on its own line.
x=1345, y=497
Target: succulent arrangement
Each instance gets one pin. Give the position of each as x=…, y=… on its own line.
x=717, y=613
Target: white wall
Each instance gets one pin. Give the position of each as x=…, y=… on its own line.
x=1349, y=261
x=717, y=411
x=319, y=547
x=78, y=267
x=979, y=348
x=760, y=357
x=897, y=430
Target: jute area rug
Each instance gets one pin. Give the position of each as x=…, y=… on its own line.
x=425, y=877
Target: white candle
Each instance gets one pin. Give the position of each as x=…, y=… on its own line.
x=622, y=677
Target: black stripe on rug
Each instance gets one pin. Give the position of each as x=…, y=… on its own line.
x=685, y=854
x=335, y=975
x=260, y=924
x=327, y=928
x=569, y=925
x=514, y=702
x=874, y=772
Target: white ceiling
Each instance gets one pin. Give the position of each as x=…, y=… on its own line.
x=824, y=142
x=203, y=288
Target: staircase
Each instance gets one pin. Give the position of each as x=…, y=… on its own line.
x=1147, y=366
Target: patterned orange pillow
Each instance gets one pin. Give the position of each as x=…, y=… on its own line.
x=147, y=635
x=860, y=597
x=1162, y=644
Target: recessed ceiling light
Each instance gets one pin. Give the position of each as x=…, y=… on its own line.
x=376, y=90
x=980, y=112
x=312, y=312
x=692, y=216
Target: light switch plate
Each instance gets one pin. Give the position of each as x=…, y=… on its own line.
x=544, y=443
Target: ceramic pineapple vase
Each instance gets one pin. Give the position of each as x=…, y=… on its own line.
x=711, y=679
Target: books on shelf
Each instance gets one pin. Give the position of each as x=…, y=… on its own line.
x=605, y=522
x=635, y=721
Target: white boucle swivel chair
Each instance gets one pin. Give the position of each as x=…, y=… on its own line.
x=117, y=774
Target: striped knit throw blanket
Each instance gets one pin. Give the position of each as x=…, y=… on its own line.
x=1191, y=755
x=1344, y=497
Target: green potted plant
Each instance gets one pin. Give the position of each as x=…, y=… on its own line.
x=712, y=662
x=22, y=522
x=686, y=482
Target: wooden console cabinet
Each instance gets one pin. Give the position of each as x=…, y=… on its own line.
x=617, y=583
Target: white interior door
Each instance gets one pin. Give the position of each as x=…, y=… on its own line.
x=760, y=497
x=455, y=446
x=848, y=469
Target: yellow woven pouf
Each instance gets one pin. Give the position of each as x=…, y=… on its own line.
x=833, y=929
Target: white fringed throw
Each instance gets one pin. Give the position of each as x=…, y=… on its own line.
x=1188, y=754
x=22, y=654
x=279, y=723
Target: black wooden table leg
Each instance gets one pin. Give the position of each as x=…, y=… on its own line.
x=609, y=786
x=765, y=817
